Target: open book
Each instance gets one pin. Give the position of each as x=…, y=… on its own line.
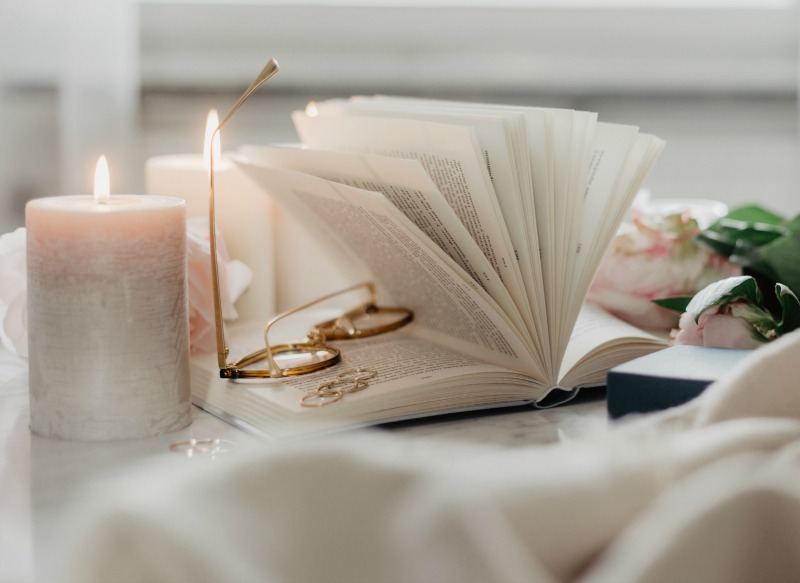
x=489, y=222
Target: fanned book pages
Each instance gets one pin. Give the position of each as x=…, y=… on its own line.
x=488, y=221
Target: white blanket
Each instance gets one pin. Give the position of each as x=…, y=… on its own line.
x=706, y=492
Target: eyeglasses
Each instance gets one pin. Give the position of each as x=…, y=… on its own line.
x=312, y=353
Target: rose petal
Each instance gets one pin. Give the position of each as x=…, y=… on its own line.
x=725, y=331
x=202, y=335
x=234, y=277
x=12, y=265
x=643, y=265
x=689, y=333
x=14, y=328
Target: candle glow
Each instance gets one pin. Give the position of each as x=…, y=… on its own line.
x=102, y=187
x=212, y=121
x=243, y=213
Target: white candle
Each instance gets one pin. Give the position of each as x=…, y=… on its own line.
x=107, y=316
x=243, y=214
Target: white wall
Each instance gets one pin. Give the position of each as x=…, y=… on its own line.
x=502, y=46
x=719, y=81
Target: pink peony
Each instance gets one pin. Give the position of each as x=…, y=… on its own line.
x=717, y=327
x=234, y=278
x=654, y=257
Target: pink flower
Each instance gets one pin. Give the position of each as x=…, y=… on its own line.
x=13, y=293
x=651, y=259
x=717, y=327
x=234, y=278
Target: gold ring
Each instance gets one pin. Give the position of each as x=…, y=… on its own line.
x=332, y=396
x=357, y=374
x=337, y=385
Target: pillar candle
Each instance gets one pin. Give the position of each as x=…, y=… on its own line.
x=243, y=216
x=107, y=316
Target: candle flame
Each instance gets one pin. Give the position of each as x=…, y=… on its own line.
x=101, y=181
x=311, y=109
x=212, y=121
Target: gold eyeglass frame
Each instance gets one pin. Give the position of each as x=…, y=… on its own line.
x=342, y=327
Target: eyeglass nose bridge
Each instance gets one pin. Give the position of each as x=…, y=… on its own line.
x=342, y=325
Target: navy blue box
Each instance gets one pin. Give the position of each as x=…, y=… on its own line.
x=667, y=378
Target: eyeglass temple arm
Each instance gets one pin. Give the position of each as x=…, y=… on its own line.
x=274, y=369
x=222, y=349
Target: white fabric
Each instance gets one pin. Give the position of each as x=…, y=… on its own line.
x=706, y=492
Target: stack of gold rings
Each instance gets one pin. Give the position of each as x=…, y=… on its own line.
x=349, y=381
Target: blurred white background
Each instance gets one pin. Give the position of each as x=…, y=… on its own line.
x=717, y=79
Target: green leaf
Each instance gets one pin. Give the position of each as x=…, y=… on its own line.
x=674, y=303
x=716, y=242
x=742, y=229
x=753, y=258
x=753, y=233
x=790, y=306
x=754, y=214
x=758, y=240
x=782, y=257
x=756, y=316
x=724, y=291
x=732, y=238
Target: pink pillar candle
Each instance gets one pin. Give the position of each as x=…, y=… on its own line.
x=107, y=316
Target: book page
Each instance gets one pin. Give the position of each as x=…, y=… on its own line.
x=502, y=135
x=612, y=146
x=526, y=150
x=413, y=377
x=495, y=130
x=536, y=207
x=406, y=184
x=574, y=155
x=576, y=189
x=415, y=272
x=450, y=155
x=600, y=341
x=643, y=153
x=595, y=214
x=403, y=360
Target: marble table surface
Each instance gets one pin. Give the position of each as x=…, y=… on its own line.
x=43, y=479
